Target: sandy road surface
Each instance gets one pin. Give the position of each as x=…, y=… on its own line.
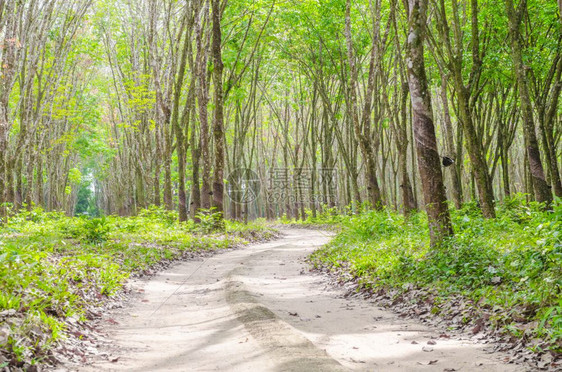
x=259, y=309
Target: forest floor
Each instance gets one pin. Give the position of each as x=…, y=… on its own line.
x=261, y=308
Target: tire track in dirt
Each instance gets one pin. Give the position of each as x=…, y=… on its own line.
x=293, y=351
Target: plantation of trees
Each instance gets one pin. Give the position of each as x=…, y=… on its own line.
x=428, y=133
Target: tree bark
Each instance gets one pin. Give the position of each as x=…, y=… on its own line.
x=543, y=193
x=450, y=144
x=474, y=145
x=178, y=127
x=7, y=67
x=360, y=127
x=218, y=120
x=424, y=131
x=409, y=201
x=203, y=99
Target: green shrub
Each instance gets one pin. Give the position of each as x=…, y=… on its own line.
x=159, y=214
x=96, y=230
x=209, y=220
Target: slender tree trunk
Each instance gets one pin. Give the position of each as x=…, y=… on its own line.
x=168, y=201
x=7, y=64
x=29, y=179
x=450, y=144
x=504, y=160
x=195, y=204
x=408, y=198
x=476, y=153
x=178, y=125
x=218, y=121
x=40, y=185
x=543, y=193
x=547, y=130
x=313, y=139
x=157, y=200
x=18, y=198
x=464, y=93
x=203, y=99
x=426, y=144
x=369, y=156
x=140, y=193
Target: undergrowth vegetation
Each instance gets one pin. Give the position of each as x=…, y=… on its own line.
x=511, y=265
x=54, y=268
x=324, y=217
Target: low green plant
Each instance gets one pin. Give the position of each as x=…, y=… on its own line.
x=160, y=214
x=96, y=230
x=53, y=267
x=209, y=220
x=325, y=215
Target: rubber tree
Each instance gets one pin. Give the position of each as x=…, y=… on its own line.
x=424, y=131
x=543, y=193
x=361, y=125
x=218, y=119
x=465, y=91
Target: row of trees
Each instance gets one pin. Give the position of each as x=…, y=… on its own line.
x=451, y=62
x=158, y=101
x=42, y=100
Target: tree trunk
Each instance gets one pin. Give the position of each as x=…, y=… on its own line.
x=424, y=131
x=543, y=193
x=168, y=201
x=203, y=99
x=547, y=129
x=157, y=200
x=408, y=198
x=7, y=64
x=218, y=121
x=360, y=127
x=179, y=125
x=450, y=144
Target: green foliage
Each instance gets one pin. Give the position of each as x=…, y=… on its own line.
x=154, y=213
x=209, y=220
x=324, y=216
x=86, y=203
x=96, y=230
x=257, y=229
x=513, y=262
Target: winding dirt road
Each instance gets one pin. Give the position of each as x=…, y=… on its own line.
x=259, y=309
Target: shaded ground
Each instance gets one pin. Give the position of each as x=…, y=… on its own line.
x=259, y=309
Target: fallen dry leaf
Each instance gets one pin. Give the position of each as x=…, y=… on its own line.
x=430, y=363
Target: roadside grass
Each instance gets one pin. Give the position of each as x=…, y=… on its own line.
x=54, y=268
x=326, y=218
x=509, y=268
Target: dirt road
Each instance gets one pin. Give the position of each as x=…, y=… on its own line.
x=259, y=309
